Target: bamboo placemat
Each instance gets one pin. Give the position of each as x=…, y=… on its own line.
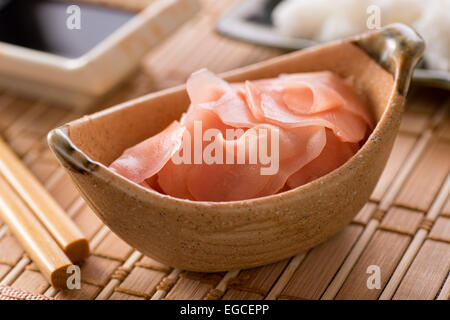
x=404, y=229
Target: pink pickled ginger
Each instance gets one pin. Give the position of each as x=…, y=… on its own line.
x=225, y=146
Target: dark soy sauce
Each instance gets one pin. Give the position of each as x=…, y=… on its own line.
x=41, y=25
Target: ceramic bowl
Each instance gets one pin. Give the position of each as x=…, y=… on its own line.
x=250, y=21
x=219, y=236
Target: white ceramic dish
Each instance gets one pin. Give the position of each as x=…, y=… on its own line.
x=78, y=82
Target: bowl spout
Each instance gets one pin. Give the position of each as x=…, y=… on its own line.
x=398, y=48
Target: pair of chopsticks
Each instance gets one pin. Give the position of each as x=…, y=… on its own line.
x=48, y=235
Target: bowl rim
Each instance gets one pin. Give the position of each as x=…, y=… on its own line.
x=59, y=138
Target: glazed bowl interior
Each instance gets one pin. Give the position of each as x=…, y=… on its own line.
x=218, y=236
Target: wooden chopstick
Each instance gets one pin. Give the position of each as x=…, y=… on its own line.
x=33, y=237
x=42, y=205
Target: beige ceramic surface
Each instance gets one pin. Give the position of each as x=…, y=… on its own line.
x=205, y=236
x=81, y=81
